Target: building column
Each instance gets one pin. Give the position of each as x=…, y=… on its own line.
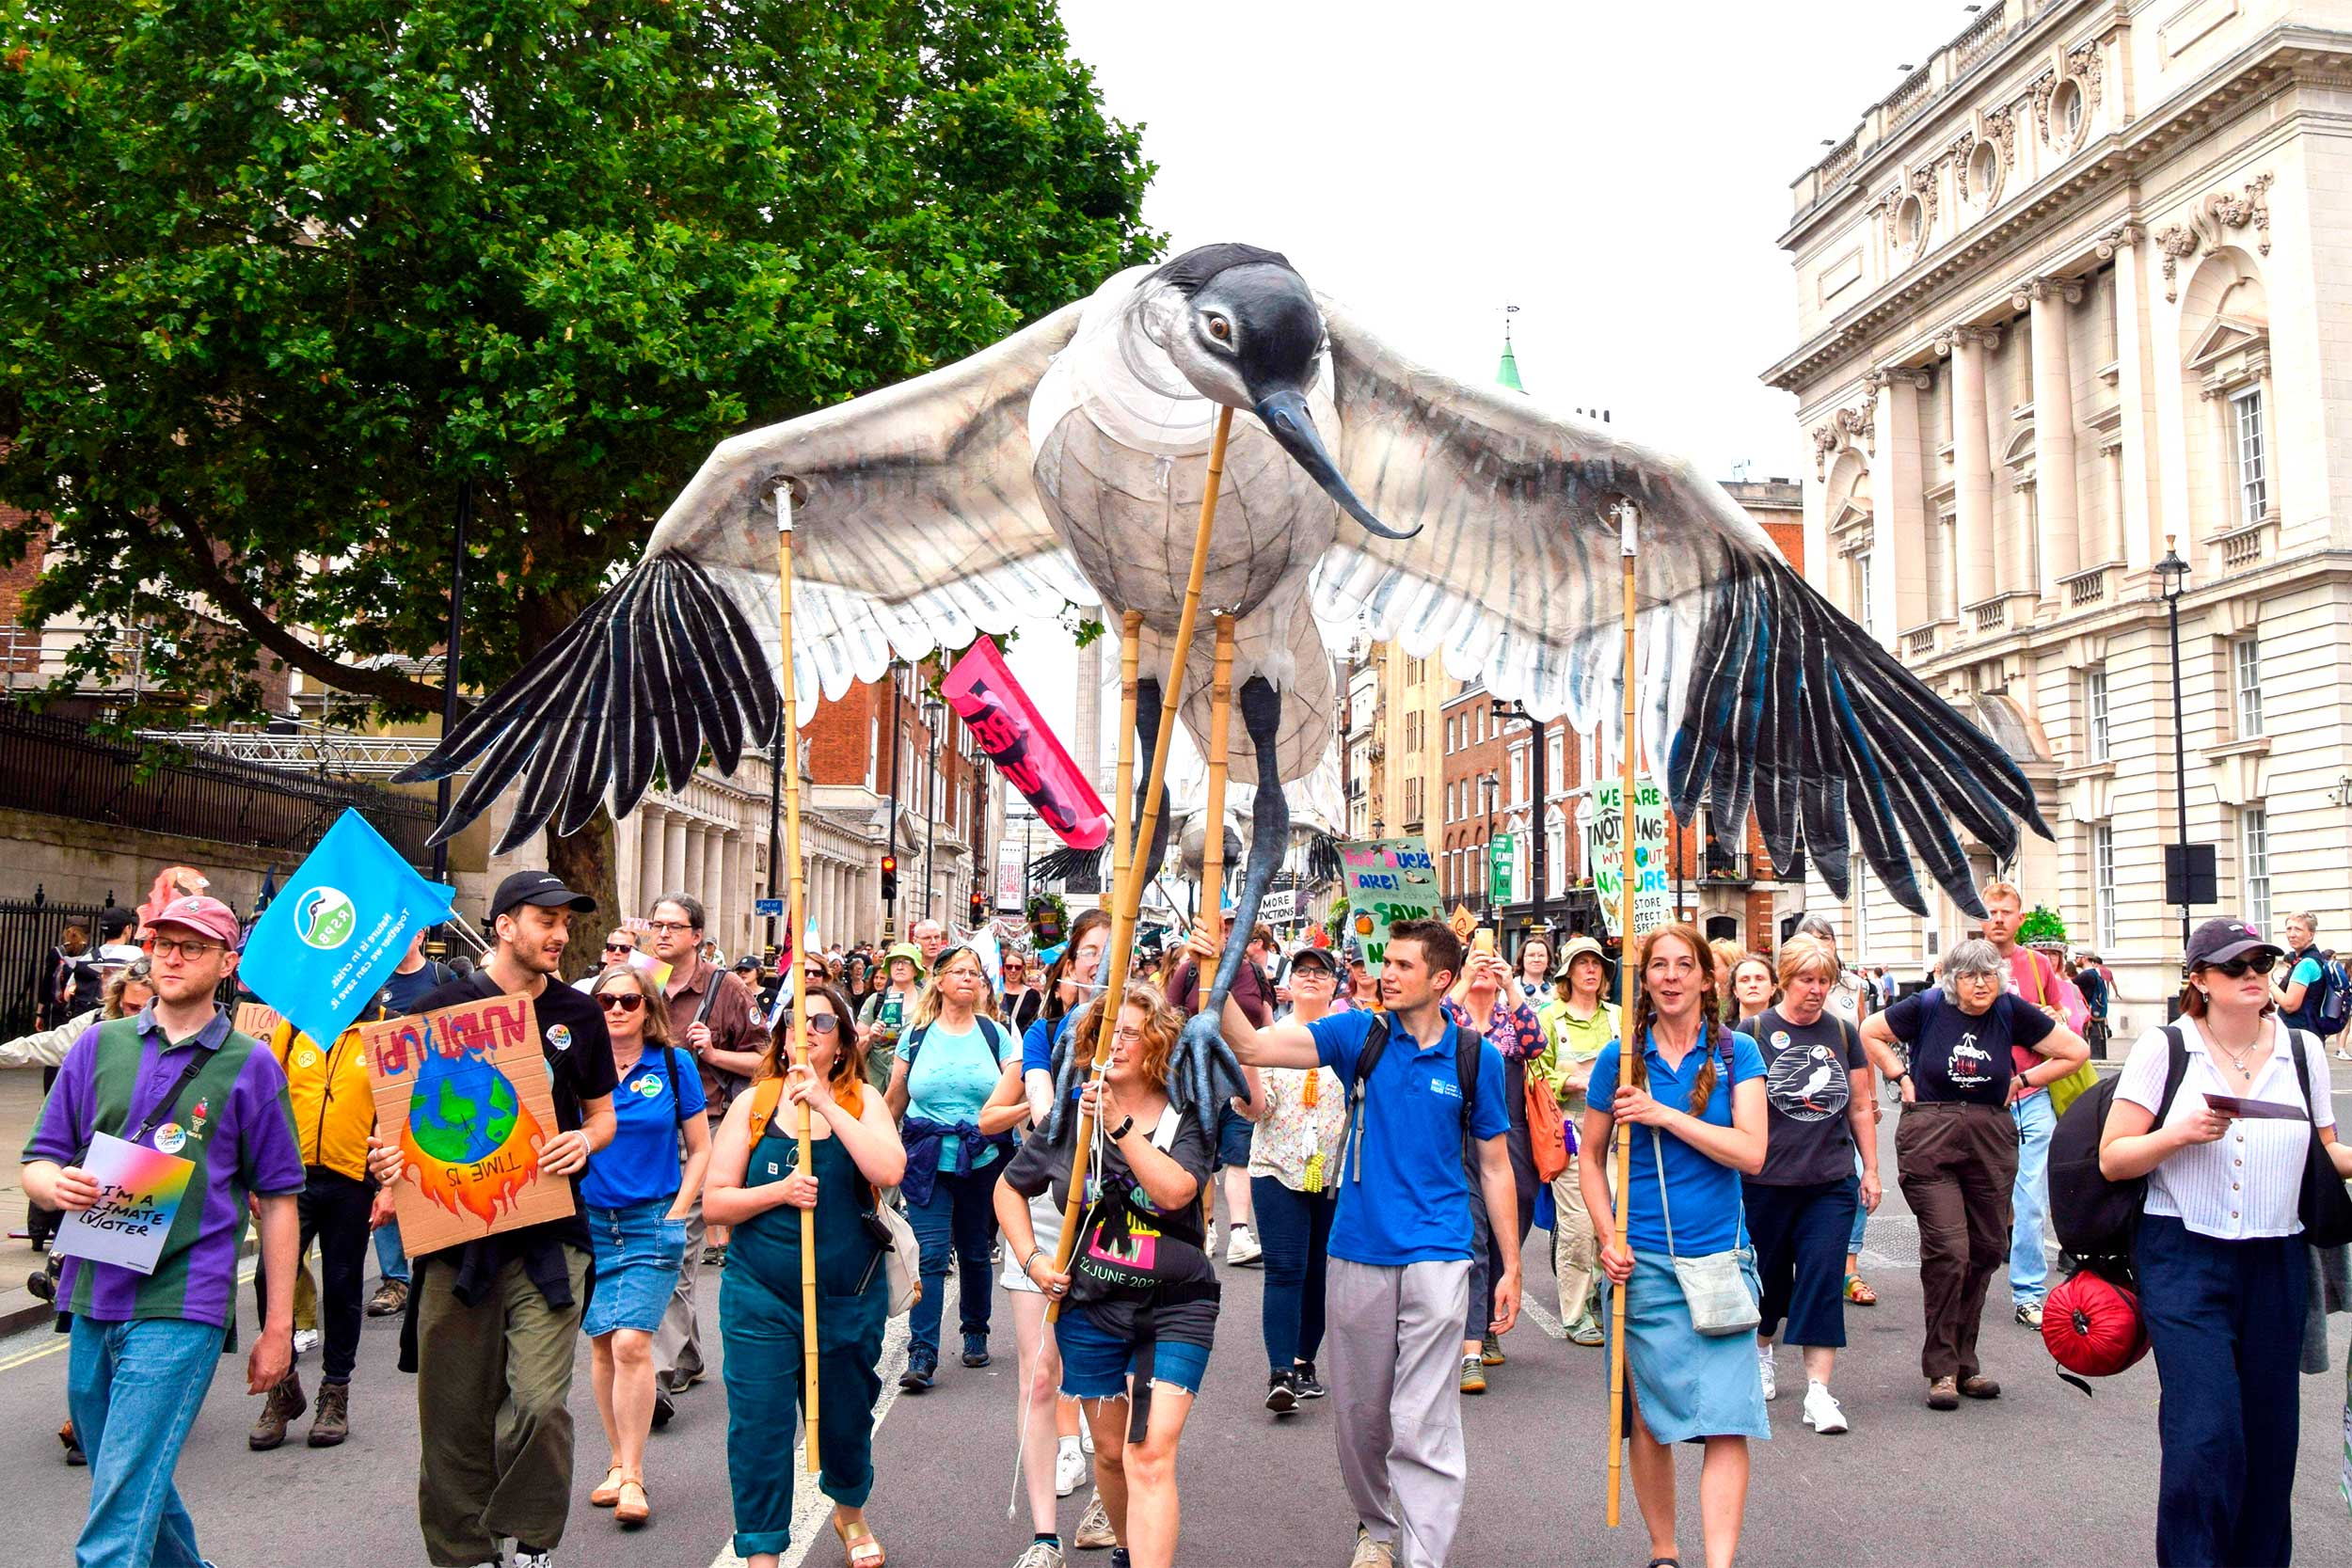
x=727, y=896
x=2133, y=539
x=653, y=845
x=1972, y=465
x=1898, y=529
x=627, y=846
x=2056, y=505
x=673, y=856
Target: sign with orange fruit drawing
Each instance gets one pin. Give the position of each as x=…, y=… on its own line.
x=467, y=1089
x=1389, y=879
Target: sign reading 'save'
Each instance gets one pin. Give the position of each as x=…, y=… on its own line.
x=466, y=1089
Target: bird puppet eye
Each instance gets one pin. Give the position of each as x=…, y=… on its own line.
x=1220, y=328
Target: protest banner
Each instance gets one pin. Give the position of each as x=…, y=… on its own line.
x=140, y=1190
x=257, y=1019
x=1603, y=823
x=467, y=1086
x=326, y=944
x=1388, y=879
x=981, y=688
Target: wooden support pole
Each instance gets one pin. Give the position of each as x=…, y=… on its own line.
x=1124, y=786
x=1212, y=841
x=1630, y=1062
x=796, y=932
x=1130, y=892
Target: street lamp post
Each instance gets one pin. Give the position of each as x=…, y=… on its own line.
x=1536, y=746
x=1494, y=784
x=2173, y=572
x=933, y=714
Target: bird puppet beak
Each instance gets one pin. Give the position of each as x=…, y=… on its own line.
x=1286, y=417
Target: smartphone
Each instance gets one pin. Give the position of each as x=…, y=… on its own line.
x=1483, y=940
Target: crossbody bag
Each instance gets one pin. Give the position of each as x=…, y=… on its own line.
x=1715, y=1285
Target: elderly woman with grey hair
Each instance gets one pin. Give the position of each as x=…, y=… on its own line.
x=1955, y=1146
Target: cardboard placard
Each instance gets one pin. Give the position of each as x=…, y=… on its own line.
x=257, y=1019
x=140, y=1190
x=467, y=1087
x=1389, y=879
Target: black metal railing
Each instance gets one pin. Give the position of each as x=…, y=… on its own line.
x=29, y=932
x=57, y=767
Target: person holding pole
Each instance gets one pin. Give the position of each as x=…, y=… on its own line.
x=758, y=1186
x=1425, y=1120
x=1696, y=1101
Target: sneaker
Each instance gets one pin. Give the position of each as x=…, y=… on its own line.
x=1119, y=1558
x=305, y=1340
x=2029, y=1313
x=2344, y=1055
x=1282, y=1392
x=1069, y=1469
x=714, y=1257
x=976, y=1350
x=1310, y=1387
x=1944, y=1394
x=73, y=1454
x=1490, y=1351
x=1473, y=1375
x=1586, y=1330
x=1208, y=1243
x=1094, y=1526
x=390, y=1299
x=1764, y=1371
x=526, y=1556
x=1243, y=1250
x=332, y=1422
x=1041, y=1554
x=664, y=1407
x=922, y=1371
x=1086, y=1438
x=1370, y=1552
x=283, y=1408
x=1820, y=1410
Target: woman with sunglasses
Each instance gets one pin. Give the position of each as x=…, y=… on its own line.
x=2222, y=1266
x=757, y=1187
x=953, y=1057
x=1021, y=1003
x=637, y=1195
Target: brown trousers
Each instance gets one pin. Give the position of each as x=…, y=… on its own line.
x=1957, y=1163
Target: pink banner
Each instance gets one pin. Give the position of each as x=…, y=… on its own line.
x=1010, y=730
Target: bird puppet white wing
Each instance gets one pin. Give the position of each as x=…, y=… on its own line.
x=1754, y=690
x=914, y=526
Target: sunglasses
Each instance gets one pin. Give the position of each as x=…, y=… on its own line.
x=818, y=1023
x=2239, y=969
x=621, y=1000
x=618, y=947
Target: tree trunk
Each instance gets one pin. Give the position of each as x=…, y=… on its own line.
x=585, y=863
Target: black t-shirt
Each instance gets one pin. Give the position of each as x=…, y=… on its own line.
x=1809, y=1087
x=1182, y=1295
x=1957, y=1056
x=405, y=993
x=579, y=1053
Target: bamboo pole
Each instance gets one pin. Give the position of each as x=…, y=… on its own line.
x=796, y=930
x=1630, y=1062
x=1213, y=841
x=1123, y=786
x=1129, y=895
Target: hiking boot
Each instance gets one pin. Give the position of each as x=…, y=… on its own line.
x=284, y=1406
x=1490, y=1351
x=1370, y=1552
x=390, y=1299
x=1282, y=1392
x=1979, y=1388
x=922, y=1371
x=1094, y=1526
x=331, y=1424
x=1473, y=1375
x=1310, y=1387
x=1944, y=1394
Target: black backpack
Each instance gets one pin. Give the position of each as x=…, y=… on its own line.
x=2097, y=1219
x=1465, y=1045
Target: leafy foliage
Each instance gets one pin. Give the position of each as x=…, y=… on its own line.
x=2040, y=924
x=276, y=275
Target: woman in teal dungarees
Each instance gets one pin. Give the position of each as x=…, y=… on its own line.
x=755, y=1186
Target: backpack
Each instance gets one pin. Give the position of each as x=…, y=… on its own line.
x=883, y=1215
x=2096, y=1218
x=1466, y=1048
x=2327, y=1000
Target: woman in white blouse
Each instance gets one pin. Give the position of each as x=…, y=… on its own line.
x=1292, y=1153
x=2222, y=1262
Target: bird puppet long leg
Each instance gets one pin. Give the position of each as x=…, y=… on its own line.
x=1202, y=1061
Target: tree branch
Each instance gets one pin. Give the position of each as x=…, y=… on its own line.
x=210, y=579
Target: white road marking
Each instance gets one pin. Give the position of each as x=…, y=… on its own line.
x=1544, y=1319
x=43, y=1338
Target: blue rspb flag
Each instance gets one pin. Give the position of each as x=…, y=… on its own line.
x=330, y=938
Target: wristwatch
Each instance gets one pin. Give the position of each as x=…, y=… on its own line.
x=1123, y=1129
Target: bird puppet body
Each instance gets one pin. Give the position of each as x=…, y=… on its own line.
x=1066, y=464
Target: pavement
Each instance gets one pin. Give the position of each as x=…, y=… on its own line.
x=2041, y=1476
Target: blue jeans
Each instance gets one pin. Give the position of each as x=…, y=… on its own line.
x=133, y=1389
x=1294, y=1228
x=956, y=1223
x=1861, y=1216
x=2030, y=1199
x=390, y=1259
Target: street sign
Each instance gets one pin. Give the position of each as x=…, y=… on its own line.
x=1279, y=907
x=1602, y=822
x=771, y=909
x=1389, y=879
x=1499, y=853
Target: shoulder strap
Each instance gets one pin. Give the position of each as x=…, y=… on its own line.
x=1376, y=1044
x=993, y=1034
x=2302, y=1069
x=910, y=1043
x=765, y=1096
x=1466, y=1065
x=669, y=1065
x=2175, y=1069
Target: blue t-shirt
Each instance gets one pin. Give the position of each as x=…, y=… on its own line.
x=952, y=1077
x=1403, y=1193
x=640, y=1164
x=1705, y=1196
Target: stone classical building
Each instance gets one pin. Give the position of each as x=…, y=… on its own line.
x=2079, y=291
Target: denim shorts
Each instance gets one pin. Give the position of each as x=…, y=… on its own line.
x=1233, y=1134
x=638, y=1251
x=1095, y=1365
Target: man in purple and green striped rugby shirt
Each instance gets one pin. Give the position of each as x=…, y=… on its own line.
x=177, y=1079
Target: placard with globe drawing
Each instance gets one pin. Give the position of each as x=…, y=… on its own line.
x=466, y=1090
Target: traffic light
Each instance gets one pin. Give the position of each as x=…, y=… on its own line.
x=980, y=907
x=890, y=877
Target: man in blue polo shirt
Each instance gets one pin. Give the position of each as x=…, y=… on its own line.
x=1397, y=1284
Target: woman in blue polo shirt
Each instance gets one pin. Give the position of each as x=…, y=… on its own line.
x=637, y=1194
x=1698, y=1109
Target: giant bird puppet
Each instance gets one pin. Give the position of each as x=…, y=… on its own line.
x=1065, y=464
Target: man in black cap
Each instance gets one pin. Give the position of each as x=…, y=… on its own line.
x=493, y=1325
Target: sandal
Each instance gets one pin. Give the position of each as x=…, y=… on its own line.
x=632, y=1507
x=1858, y=1292
x=610, y=1493
x=858, y=1542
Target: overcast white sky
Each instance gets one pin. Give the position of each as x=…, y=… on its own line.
x=1618, y=172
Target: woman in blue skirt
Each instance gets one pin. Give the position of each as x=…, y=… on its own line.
x=757, y=1187
x=1695, y=1099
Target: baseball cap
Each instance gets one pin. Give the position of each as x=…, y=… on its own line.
x=540, y=888
x=205, y=916
x=1314, y=958
x=2217, y=941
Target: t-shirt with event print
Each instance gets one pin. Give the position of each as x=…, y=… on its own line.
x=1960, y=1056
x=1808, y=1088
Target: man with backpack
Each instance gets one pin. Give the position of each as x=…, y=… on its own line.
x=2316, y=992
x=1426, y=1118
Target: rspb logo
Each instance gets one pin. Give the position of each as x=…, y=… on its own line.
x=326, y=918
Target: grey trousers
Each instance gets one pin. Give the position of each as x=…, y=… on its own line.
x=1393, y=1350
x=677, y=1347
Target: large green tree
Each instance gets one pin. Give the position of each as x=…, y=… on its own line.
x=276, y=277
